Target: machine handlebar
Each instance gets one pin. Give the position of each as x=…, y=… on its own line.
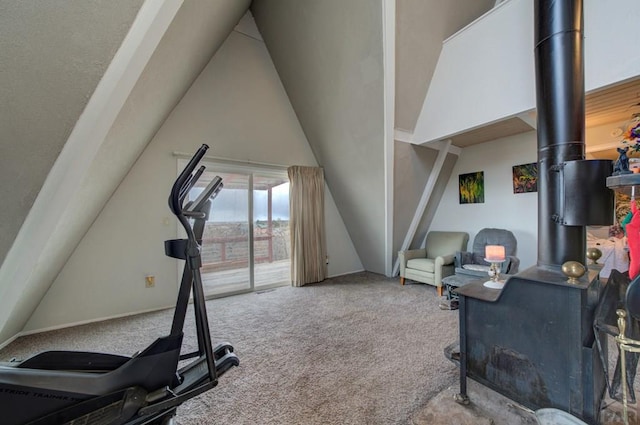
x=185, y=178
x=191, y=181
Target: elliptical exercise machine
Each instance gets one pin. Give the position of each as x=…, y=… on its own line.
x=66, y=387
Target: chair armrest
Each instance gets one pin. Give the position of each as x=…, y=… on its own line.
x=440, y=261
x=462, y=258
x=404, y=256
x=414, y=253
x=445, y=260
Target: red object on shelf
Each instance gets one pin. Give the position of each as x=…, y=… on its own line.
x=633, y=240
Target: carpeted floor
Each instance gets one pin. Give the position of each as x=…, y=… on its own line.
x=357, y=349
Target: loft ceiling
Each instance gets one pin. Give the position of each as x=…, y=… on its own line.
x=504, y=128
x=612, y=105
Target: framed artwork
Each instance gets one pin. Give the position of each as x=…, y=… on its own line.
x=471, y=186
x=525, y=178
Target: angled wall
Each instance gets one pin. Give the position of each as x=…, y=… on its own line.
x=434, y=202
x=52, y=55
x=421, y=27
x=238, y=106
x=413, y=166
x=329, y=56
x=167, y=46
x=38, y=251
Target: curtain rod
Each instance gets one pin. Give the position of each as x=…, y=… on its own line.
x=232, y=161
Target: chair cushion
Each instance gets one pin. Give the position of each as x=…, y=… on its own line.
x=440, y=243
x=489, y=236
x=479, y=259
x=476, y=267
x=423, y=264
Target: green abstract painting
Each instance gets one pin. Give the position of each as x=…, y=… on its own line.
x=471, y=188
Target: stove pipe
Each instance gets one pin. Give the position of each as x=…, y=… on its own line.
x=561, y=123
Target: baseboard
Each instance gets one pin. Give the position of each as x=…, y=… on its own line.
x=346, y=273
x=117, y=316
x=9, y=341
x=84, y=322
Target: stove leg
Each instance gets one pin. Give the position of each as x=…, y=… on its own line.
x=462, y=397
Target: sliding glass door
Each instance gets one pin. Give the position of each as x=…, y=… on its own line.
x=225, y=243
x=271, y=247
x=245, y=244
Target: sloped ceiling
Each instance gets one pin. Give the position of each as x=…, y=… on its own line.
x=193, y=35
x=421, y=27
x=52, y=55
x=329, y=56
x=610, y=106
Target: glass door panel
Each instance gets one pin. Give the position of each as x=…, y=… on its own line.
x=271, y=243
x=225, y=243
x=245, y=245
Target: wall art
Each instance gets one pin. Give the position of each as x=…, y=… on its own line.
x=471, y=187
x=525, y=178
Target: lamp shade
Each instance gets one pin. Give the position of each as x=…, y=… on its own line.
x=494, y=253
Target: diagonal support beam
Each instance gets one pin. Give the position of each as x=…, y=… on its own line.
x=424, y=200
x=45, y=241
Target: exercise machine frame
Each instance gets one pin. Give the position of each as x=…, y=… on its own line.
x=67, y=387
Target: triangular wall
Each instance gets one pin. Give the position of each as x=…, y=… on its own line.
x=237, y=106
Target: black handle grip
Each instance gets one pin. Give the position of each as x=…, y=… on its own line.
x=174, y=197
x=191, y=181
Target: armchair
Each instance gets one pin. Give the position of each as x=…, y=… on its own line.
x=473, y=264
x=433, y=262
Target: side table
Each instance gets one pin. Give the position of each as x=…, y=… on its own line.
x=455, y=281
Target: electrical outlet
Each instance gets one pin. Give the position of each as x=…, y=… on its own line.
x=149, y=281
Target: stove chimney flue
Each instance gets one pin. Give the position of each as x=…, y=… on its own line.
x=560, y=104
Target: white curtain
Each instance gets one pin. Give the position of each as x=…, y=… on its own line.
x=306, y=212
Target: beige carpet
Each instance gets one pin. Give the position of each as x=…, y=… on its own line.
x=358, y=349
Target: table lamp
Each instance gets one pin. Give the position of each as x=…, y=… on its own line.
x=494, y=254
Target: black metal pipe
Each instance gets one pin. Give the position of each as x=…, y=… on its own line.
x=560, y=104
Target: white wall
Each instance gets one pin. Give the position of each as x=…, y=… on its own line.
x=490, y=65
x=237, y=106
x=501, y=208
x=496, y=50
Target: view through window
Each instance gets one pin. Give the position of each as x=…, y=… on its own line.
x=246, y=243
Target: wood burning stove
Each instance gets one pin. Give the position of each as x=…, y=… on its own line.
x=533, y=341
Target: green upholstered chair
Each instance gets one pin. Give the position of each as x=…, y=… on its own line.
x=433, y=262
